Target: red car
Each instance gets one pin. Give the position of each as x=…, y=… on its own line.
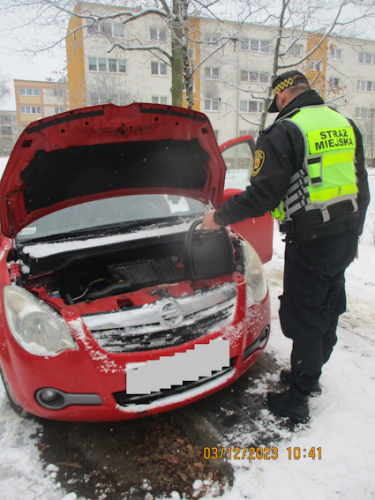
x=114, y=305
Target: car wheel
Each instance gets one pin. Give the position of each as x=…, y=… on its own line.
x=12, y=398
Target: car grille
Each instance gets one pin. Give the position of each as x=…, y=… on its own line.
x=124, y=399
x=165, y=323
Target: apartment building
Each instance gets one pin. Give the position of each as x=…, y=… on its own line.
x=35, y=100
x=231, y=81
x=8, y=131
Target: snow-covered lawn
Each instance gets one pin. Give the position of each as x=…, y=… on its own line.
x=343, y=418
x=342, y=423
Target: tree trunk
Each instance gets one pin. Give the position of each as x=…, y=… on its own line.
x=177, y=53
x=188, y=74
x=275, y=66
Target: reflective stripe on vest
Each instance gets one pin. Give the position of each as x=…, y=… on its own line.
x=328, y=174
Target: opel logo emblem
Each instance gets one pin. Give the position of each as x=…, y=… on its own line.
x=171, y=314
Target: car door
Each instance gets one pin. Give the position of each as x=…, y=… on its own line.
x=238, y=156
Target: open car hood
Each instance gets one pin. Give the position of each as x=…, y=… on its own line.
x=107, y=151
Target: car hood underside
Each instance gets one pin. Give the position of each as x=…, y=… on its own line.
x=107, y=151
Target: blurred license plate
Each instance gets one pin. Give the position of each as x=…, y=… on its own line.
x=168, y=371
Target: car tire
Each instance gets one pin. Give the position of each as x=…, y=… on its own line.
x=21, y=412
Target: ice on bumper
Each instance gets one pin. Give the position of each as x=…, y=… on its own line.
x=163, y=373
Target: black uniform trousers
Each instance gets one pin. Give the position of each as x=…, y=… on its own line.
x=313, y=299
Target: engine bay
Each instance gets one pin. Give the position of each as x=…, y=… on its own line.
x=85, y=276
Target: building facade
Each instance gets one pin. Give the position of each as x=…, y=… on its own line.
x=234, y=68
x=35, y=100
x=8, y=131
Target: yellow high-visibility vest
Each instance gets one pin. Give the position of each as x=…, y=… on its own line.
x=327, y=176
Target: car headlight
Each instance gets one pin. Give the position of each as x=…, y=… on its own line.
x=35, y=326
x=256, y=283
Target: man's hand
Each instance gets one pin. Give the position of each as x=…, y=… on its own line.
x=208, y=221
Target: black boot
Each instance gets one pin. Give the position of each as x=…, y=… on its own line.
x=286, y=376
x=291, y=403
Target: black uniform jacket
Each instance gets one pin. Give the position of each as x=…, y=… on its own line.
x=280, y=154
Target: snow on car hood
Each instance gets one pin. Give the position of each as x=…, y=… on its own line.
x=107, y=151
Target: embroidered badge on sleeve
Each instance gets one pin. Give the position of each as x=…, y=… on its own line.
x=259, y=158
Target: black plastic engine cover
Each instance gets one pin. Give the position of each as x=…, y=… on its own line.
x=147, y=272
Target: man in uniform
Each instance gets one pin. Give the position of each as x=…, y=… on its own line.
x=309, y=172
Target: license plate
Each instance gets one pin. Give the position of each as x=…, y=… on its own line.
x=168, y=371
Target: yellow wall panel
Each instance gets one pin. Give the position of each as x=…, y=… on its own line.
x=317, y=79
x=76, y=63
x=194, y=26
x=30, y=100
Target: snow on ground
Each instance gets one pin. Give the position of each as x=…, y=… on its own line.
x=343, y=418
x=342, y=422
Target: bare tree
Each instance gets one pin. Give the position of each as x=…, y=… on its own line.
x=4, y=87
x=105, y=88
x=296, y=23
x=173, y=50
x=367, y=127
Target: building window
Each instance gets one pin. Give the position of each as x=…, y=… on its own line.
x=122, y=66
x=158, y=34
x=92, y=64
x=191, y=55
x=251, y=106
x=365, y=86
x=216, y=132
x=57, y=93
x=158, y=68
x=242, y=133
x=212, y=39
x=5, y=119
x=93, y=29
x=119, y=30
x=211, y=73
x=114, y=65
x=59, y=110
x=102, y=64
x=315, y=65
x=364, y=113
x=159, y=100
x=334, y=83
x=366, y=58
x=295, y=50
x=335, y=54
x=27, y=110
x=15, y=129
x=254, y=76
x=5, y=130
x=106, y=28
x=212, y=104
x=29, y=92
x=255, y=45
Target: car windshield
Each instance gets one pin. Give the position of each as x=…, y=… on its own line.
x=124, y=211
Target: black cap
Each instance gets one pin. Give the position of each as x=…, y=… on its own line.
x=284, y=81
